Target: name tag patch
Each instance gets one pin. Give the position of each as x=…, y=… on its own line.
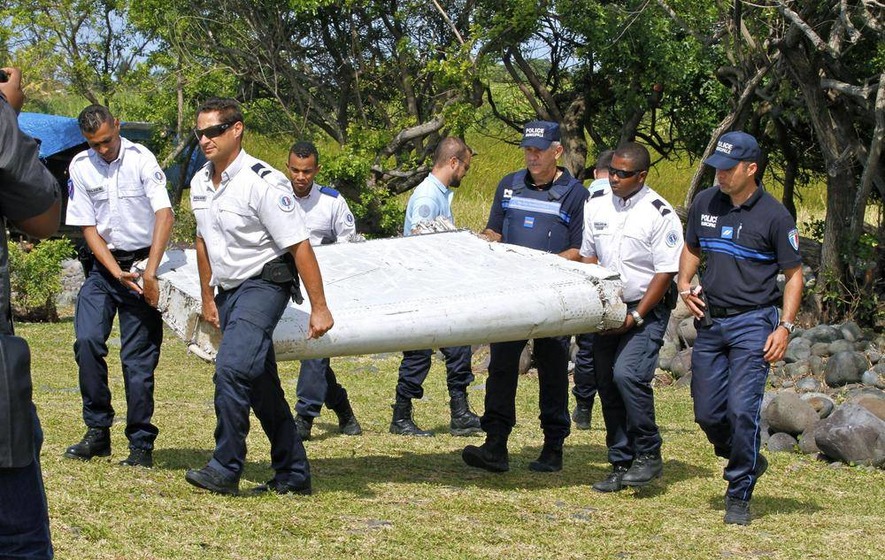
x=727, y=232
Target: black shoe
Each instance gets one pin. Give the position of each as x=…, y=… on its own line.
x=277, y=487
x=550, y=459
x=612, y=482
x=139, y=457
x=209, y=479
x=402, y=423
x=644, y=469
x=737, y=512
x=491, y=455
x=582, y=415
x=464, y=421
x=96, y=443
x=303, y=424
x=347, y=422
x=761, y=466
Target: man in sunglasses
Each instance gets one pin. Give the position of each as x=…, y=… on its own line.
x=252, y=245
x=117, y=195
x=746, y=237
x=540, y=207
x=430, y=200
x=634, y=231
x=329, y=220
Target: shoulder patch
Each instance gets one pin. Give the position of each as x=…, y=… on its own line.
x=793, y=237
x=286, y=202
x=330, y=191
x=661, y=206
x=261, y=170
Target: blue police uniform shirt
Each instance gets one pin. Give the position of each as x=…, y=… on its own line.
x=430, y=199
x=549, y=219
x=745, y=246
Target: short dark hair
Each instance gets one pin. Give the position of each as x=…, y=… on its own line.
x=228, y=108
x=91, y=118
x=635, y=153
x=305, y=149
x=451, y=147
x=604, y=160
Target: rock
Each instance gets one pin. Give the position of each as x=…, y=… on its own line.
x=873, y=355
x=870, y=402
x=684, y=381
x=798, y=349
x=687, y=332
x=844, y=368
x=808, y=384
x=851, y=332
x=797, y=370
x=840, y=346
x=71, y=280
x=862, y=345
x=807, y=444
x=822, y=333
x=852, y=434
x=821, y=403
x=820, y=349
x=667, y=353
x=874, y=378
x=681, y=363
x=818, y=365
x=790, y=414
x=780, y=442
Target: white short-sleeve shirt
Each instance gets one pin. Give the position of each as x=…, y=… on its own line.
x=327, y=215
x=637, y=237
x=250, y=218
x=120, y=198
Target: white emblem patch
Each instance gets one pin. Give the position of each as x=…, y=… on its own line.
x=672, y=238
x=286, y=203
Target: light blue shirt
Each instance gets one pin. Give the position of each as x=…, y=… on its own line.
x=429, y=200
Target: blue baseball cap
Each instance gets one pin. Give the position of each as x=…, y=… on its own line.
x=733, y=148
x=539, y=134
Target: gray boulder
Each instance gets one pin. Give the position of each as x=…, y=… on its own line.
x=818, y=365
x=680, y=366
x=822, y=333
x=844, y=368
x=851, y=331
x=821, y=403
x=840, y=346
x=687, y=332
x=873, y=355
x=874, y=378
x=807, y=445
x=797, y=369
x=870, y=401
x=797, y=349
x=852, y=434
x=808, y=385
x=684, y=381
x=788, y=413
x=821, y=349
x=668, y=351
x=780, y=442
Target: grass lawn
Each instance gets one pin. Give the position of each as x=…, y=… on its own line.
x=384, y=496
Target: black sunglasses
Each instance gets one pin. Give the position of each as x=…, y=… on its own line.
x=213, y=131
x=622, y=173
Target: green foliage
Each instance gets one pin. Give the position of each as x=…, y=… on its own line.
x=35, y=277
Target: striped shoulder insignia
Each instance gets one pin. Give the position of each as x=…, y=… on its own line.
x=597, y=193
x=661, y=206
x=330, y=191
x=260, y=170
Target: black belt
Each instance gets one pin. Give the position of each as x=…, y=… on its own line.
x=720, y=312
x=130, y=256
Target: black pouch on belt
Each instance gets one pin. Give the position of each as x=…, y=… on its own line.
x=281, y=270
x=16, y=419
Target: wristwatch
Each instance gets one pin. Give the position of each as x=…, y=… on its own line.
x=787, y=325
x=638, y=318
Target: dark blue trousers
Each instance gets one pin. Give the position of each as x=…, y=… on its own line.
x=246, y=376
x=585, y=372
x=728, y=376
x=24, y=520
x=625, y=368
x=415, y=366
x=551, y=357
x=317, y=385
x=141, y=334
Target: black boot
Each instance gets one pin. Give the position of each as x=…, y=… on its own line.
x=491, y=455
x=582, y=415
x=96, y=443
x=402, y=423
x=550, y=459
x=644, y=469
x=304, y=424
x=464, y=421
x=347, y=422
x=612, y=483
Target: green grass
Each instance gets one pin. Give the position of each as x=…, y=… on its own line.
x=384, y=496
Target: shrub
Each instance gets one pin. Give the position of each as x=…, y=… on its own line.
x=35, y=278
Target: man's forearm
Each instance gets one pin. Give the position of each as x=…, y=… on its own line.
x=309, y=271
x=163, y=220
x=792, y=293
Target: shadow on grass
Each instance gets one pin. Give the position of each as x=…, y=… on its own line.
x=760, y=506
x=359, y=474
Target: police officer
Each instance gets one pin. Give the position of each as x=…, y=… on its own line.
x=585, y=374
x=117, y=195
x=634, y=231
x=249, y=232
x=432, y=199
x=328, y=220
x=29, y=197
x=746, y=237
x=540, y=207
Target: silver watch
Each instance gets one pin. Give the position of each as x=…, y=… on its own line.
x=637, y=318
x=787, y=325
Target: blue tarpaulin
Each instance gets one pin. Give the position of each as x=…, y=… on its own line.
x=56, y=134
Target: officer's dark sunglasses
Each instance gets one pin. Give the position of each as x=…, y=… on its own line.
x=622, y=173
x=213, y=131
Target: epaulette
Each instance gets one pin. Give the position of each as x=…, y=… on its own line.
x=661, y=206
x=597, y=193
x=261, y=170
x=330, y=191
